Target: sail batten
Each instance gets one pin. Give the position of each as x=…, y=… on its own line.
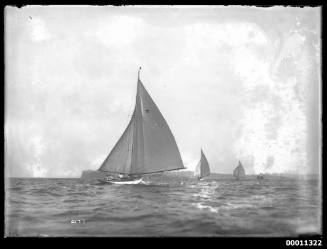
x=147, y=144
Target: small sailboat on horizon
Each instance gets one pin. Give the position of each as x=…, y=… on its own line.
x=260, y=176
x=202, y=169
x=239, y=171
x=146, y=146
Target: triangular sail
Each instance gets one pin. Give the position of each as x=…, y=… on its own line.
x=160, y=149
x=119, y=159
x=239, y=171
x=202, y=168
x=147, y=145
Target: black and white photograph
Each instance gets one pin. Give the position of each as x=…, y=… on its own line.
x=162, y=121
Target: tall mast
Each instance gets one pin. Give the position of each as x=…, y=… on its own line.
x=138, y=74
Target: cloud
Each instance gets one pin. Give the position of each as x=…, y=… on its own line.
x=39, y=31
x=119, y=30
x=232, y=33
x=285, y=151
x=190, y=160
x=237, y=85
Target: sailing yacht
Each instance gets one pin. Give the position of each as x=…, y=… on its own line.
x=239, y=171
x=146, y=146
x=202, y=169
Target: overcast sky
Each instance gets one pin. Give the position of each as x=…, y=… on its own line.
x=242, y=83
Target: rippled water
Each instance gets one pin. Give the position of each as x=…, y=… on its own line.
x=170, y=205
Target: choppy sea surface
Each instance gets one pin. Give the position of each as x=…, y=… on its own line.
x=168, y=205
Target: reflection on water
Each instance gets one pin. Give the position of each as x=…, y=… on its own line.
x=168, y=205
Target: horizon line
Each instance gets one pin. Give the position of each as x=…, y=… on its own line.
x=62, y=177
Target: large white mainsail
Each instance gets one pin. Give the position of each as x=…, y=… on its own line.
x=239, y=171
x=202, y=169
x=147, y=144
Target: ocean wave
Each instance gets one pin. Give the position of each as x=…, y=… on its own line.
x=206, y=207
x=14, y=188
x=46, y=192
x=122, y=218
x=221, y=207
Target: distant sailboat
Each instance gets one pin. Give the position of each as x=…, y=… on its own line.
x=260, y=176
x=239, y=171
x=146, y=146
x=202, y=168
